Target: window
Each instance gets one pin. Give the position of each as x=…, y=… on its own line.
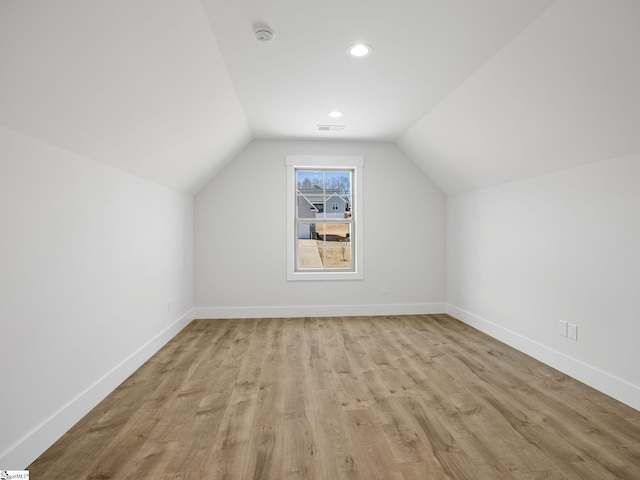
x=324, y=198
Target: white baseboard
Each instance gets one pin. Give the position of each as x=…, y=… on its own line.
x=319, y=311
x=34, y=443
x=606, y=383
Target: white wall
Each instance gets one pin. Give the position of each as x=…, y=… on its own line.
x=89, y=258
x=561, y=246
x=240, y=238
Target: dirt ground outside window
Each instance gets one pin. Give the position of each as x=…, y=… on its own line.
x=334, y=244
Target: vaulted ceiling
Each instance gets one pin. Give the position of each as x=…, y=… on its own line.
x=476, y=92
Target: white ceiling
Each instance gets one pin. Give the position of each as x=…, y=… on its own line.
x=423, y=49
x=477, y=92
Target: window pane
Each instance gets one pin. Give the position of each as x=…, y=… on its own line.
x=309, y=254
x=307, y=231
x=324, y=246
x=338, y=257
x=334, y=232
x=309, y=181
x=318, y=204
x=337, y=181
x=334, y=245
x=305, y=207
x=335, y=207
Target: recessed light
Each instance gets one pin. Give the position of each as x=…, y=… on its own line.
x=360, y=50
x=335, y=114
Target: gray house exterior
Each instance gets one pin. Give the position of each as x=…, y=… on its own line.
x=306, y=209
x=336, y=206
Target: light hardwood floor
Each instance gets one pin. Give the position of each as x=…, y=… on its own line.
x=393, y=398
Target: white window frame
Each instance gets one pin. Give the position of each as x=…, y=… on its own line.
x=321, y=162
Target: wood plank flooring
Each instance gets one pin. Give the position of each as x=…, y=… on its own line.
x=393, y=398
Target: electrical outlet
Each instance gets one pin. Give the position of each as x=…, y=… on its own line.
x=383, y=288
x=573, y=331
x=562, y=328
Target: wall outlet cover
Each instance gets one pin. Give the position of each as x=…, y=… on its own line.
x=562, y=328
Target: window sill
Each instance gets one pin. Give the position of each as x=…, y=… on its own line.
x=319, y=276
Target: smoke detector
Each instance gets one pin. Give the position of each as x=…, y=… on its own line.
x=263, y=34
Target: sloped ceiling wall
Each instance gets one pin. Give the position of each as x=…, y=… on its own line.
x=565, y=92
x=137, y=85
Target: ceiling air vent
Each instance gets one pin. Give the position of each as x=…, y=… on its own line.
x=331, y=128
